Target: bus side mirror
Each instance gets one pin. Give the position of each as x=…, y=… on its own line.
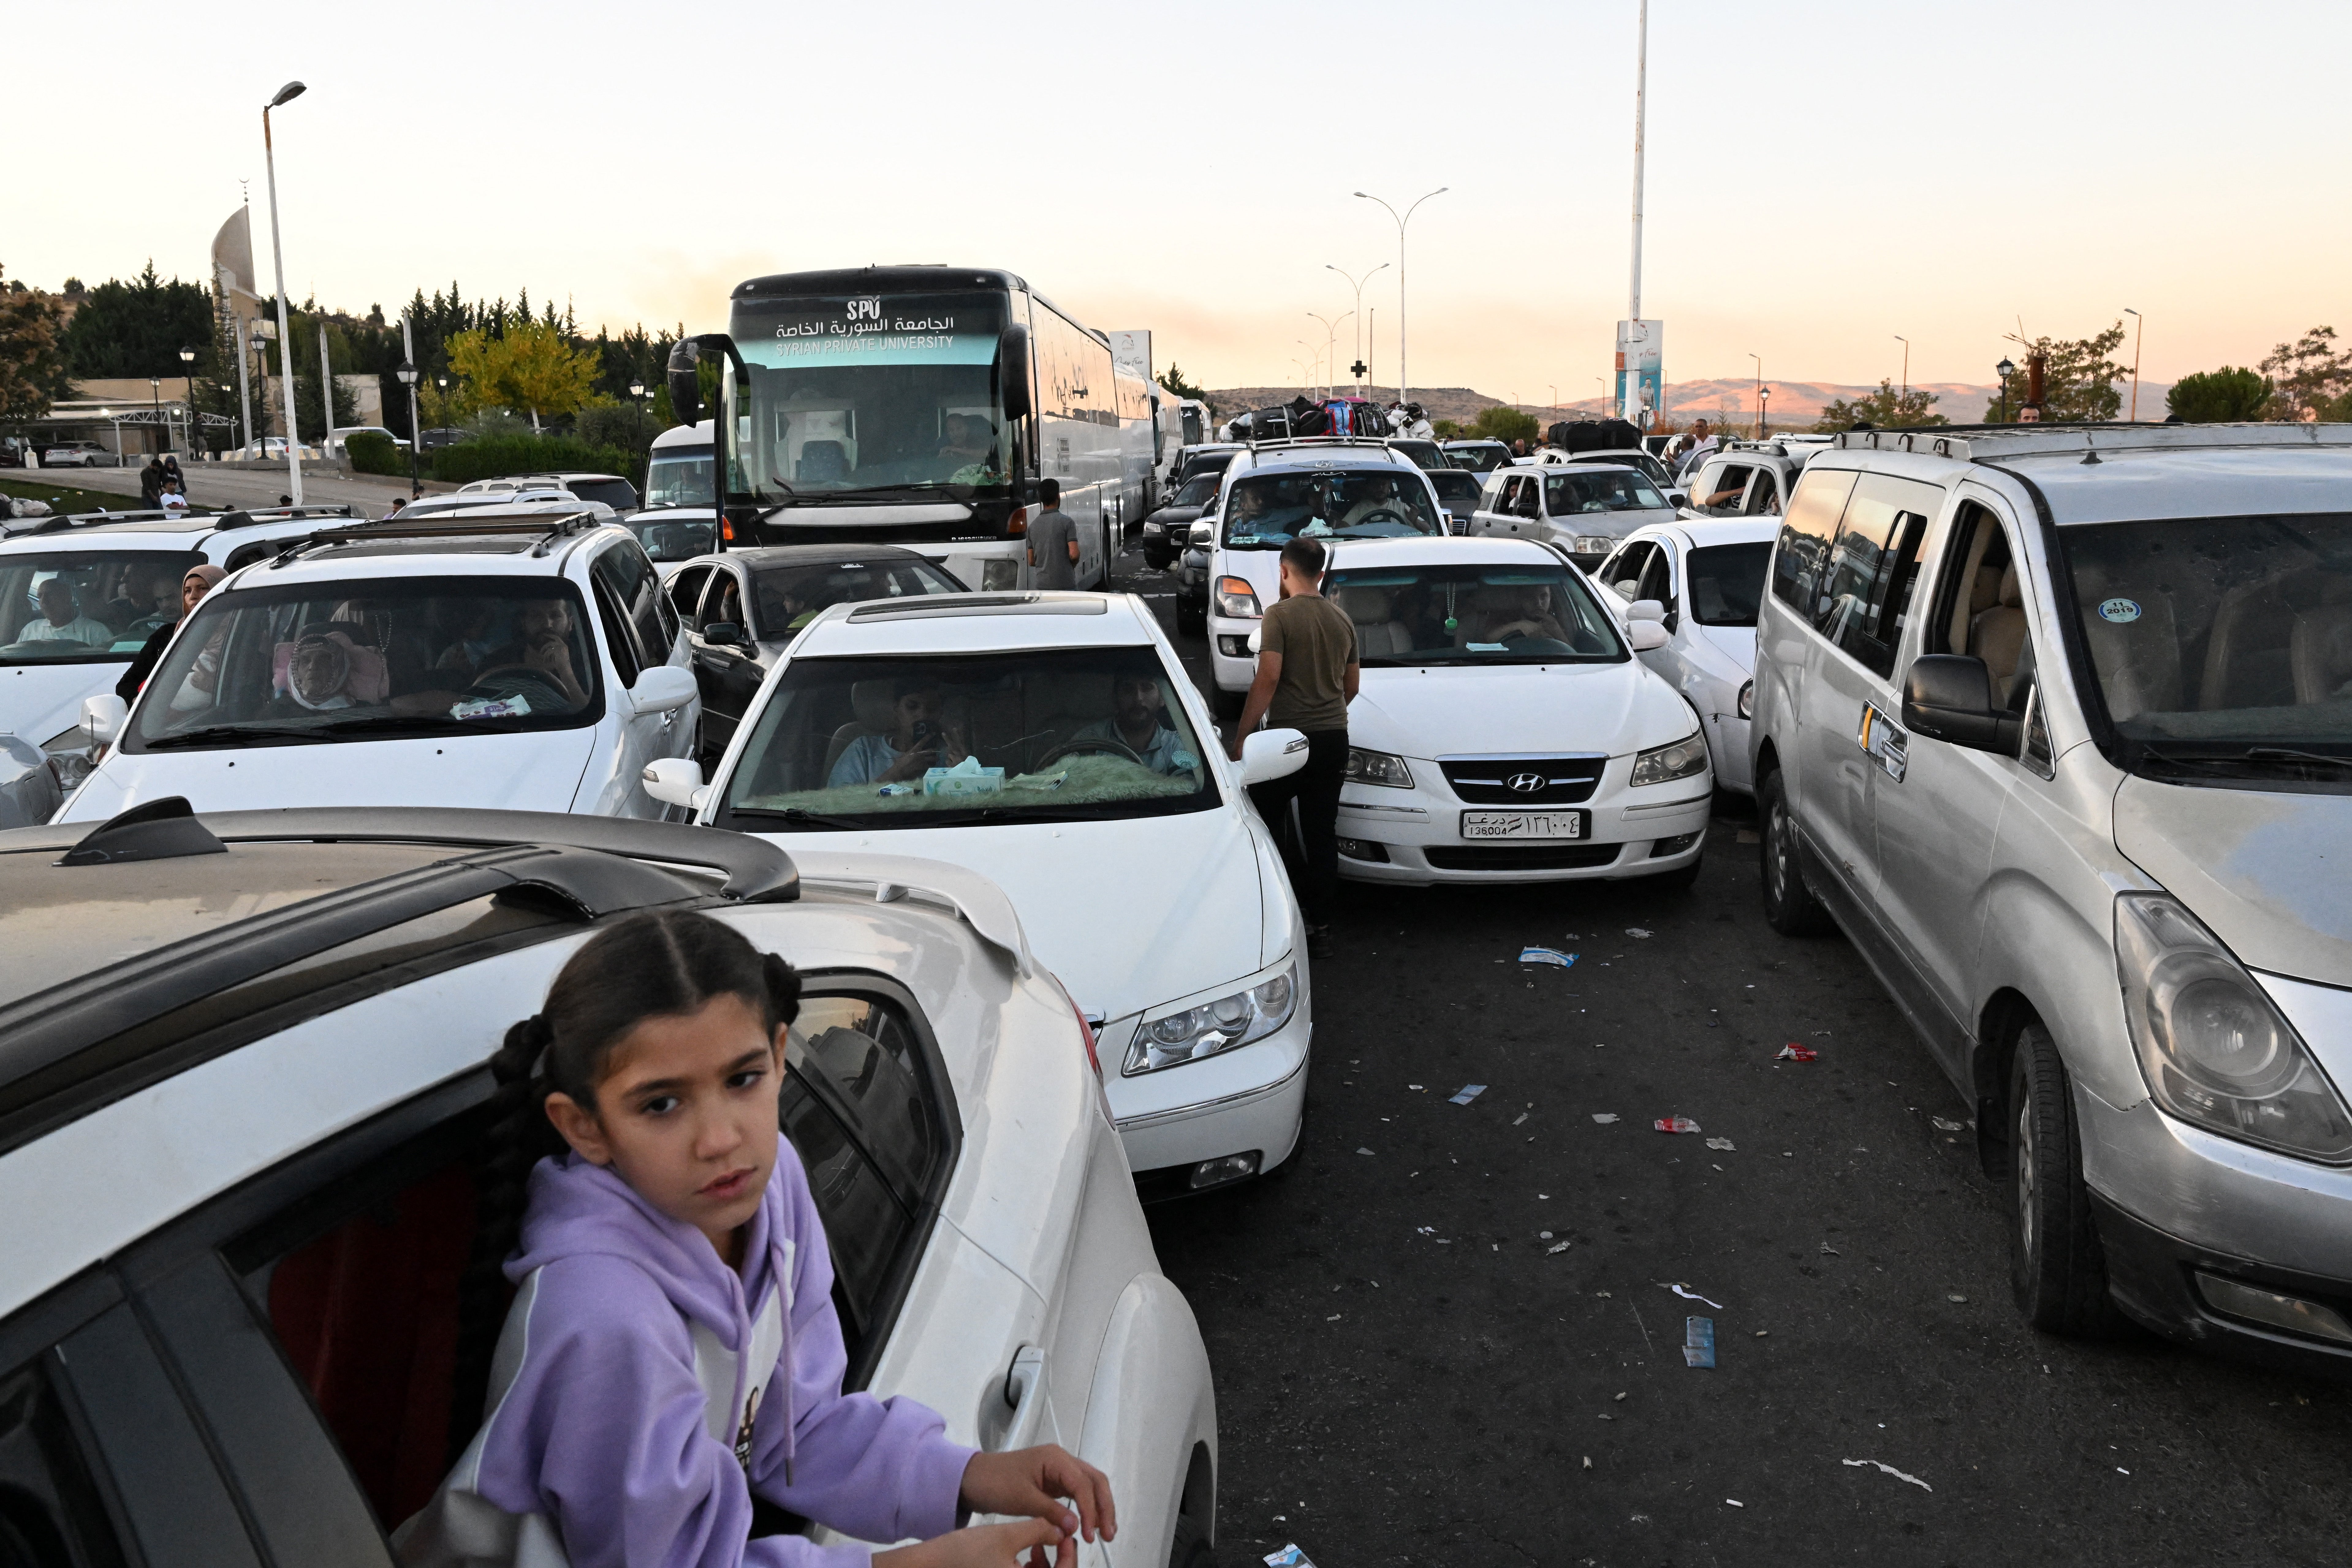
x=684, y=382
x=1013, y=372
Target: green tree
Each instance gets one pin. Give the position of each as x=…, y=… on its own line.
x=1500, y=422
x=2078, y=383
x=1446, y=429
x=2220, y=396
x=1885, y=409
x=621, y=424
x=1173, y=380
x=137, y=329
x=32, y=356
x=2312, y=376
x=531, y=368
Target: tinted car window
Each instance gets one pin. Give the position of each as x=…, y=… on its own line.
x=1865, y=585
x=1805, y=534
x=55, y=1514
x=791, y=596
x=618, y=494
x=74, y=606
x=1727, y=583
x=1197, y=490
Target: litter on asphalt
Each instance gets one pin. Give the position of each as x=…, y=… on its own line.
x=1793, y=1052
x=1550, y=955
x=1604, y=1117
x=1944, y=1126
x=1635, y=931
x=1891, y=1471
x=1363, y=1150
x=1549, y=1251
x=1289, y=1557
x=1675, y=1124
x=1694, y=1296
x=1722, y=1144
x=1698, y=1343
x=1470, y=1091
x=1522, y=1116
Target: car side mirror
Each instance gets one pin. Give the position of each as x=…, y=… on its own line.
x=685, y=381
x=1013, y=370
x=723, y=634
x=675, y=781
x=1947, y=697
x=1646, y=636
x=663, y=689
x=102, y=716
x=1271, y=755
x=1646, y=610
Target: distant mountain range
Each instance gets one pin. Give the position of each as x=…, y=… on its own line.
x=1791, y=403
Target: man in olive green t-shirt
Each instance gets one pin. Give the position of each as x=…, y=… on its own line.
x=1306, y=675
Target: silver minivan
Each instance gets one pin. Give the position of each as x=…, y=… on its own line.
x=2056, y=724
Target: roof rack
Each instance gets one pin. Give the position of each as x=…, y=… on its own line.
x=1974, y=443
x=549, y=526
x=578, y=869
x=1386, y=442
x=249, y=516
x=57, y=522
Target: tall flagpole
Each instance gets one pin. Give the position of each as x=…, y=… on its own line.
x=1631, y=395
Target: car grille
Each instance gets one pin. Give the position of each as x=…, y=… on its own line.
x=1566, y=781
x=1520, y=856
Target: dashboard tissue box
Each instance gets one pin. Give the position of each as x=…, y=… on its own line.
x=967, y=777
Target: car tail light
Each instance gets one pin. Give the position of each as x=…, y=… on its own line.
x=727, y=529
x=1094, y=1059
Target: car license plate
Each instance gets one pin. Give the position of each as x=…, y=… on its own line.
x=1523, y=825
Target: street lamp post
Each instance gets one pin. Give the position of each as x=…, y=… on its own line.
x=1330, y=343
x=638, y=395
x=286, y=94
x=2140, y=327
x=188, y=368
x=408, y=373
x=1763, y=400
x=2004, y=368
x=226, y=390
x=155, y=397
x=1358, y=284
x=1404, y=380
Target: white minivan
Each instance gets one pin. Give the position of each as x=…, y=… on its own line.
x=527, y=661
x=1051, y=744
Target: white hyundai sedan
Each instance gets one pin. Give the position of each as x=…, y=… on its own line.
x=1505, y=732
x=239, y=1171
x=1702, y=578
x=1051, y=744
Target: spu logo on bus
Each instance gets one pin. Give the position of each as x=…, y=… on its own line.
x=866, y=310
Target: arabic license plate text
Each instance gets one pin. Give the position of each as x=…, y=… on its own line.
x=1523, y=825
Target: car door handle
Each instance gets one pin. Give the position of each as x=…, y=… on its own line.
x=1024, y=1394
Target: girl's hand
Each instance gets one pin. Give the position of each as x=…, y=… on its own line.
x=1034, y=1481
x=987, y=1546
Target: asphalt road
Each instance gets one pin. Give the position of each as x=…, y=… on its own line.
x=1412, y=1368
x=239, y=484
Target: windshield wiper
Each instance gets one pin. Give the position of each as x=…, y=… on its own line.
x=2289, y=754
x=237, y=735
x=800, y=818
x=2251, y=757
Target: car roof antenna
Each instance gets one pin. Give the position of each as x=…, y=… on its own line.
x=164, y=829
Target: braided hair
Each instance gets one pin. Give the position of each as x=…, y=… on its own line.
x=662, y=963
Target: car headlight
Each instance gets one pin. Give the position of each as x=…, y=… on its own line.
x=2215, y=1050
x=1748, y=699
x=998, y=575
x=1663, y=764
x=1192, y=1033
x=1591, y=544
x=1377, y=768
x=1236, y=599
x=68, y=756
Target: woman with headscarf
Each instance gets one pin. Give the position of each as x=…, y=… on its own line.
x=194, y=586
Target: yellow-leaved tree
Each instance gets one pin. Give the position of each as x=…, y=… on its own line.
x=530, y=368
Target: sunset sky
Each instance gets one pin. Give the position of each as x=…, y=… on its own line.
x=1821, y=177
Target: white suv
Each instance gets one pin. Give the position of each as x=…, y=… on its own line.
x=1275, y=491
x=2057, y=724
x=527, y=661
x=240, y=1168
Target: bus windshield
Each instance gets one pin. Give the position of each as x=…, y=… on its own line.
x=678, y=476
x=894, y=393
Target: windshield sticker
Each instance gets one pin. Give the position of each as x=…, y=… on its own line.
x=515, y=707
x=2122, y=612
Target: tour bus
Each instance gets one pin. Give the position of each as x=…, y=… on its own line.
x=920, y=405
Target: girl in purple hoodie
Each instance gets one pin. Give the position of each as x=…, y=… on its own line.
x=672, y=1352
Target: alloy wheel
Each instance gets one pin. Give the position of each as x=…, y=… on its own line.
x=2024, y=1177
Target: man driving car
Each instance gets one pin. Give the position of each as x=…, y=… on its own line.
x=1138, y=723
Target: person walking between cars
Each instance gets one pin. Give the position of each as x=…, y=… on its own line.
x=1308, y=673
x=1053, y=542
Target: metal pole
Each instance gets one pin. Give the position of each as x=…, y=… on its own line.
x=416, y=436
x=1404, y=361
x=326, y=382
x=285, y=333
x=1759, y=372
x=2138, y=331
x=1358, y=284
x=1906, y=363
x=244, y=390
x=1641, y=115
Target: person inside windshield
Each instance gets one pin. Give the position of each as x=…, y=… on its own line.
x=1139, y=722
x=194, y=586
x=472, y=625
x=1504, y=614
x=1379, y=493
x=542, y=646
x=61, y=619
x=325, y=670
x=148, y=598
x=539, y=658
x=1247, y=514
x=920, y=741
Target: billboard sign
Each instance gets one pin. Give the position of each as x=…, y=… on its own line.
x=1640, y=369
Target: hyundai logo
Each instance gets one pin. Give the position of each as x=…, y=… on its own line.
x=1525, y=783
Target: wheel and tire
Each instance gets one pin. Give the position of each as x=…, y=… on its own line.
x=1789, y=907
x=1191, y=1547
x=2055, y=1267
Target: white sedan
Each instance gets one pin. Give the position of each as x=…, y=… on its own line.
x=1505, y=732
x=257, y=1302
x=1702, y=578
x=1051, y=744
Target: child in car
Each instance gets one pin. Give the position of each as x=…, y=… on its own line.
x=672, y=1350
